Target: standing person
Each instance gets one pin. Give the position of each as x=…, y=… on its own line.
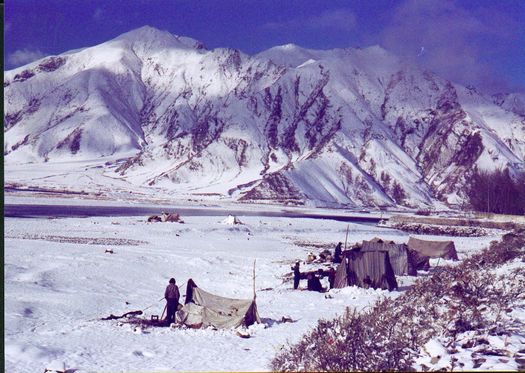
x=172, y=296
x=367, y=282
x=331, y=277
x=313, y=283
x=296, y=275
x=337, y=253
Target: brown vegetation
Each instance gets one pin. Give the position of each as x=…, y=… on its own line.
x=388, y=337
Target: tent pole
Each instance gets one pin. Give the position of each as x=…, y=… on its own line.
x=162, y=317
x=254, y=278
x=346, y=238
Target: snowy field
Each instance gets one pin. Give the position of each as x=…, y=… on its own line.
x=59, y=281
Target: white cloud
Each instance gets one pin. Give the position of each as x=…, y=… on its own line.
x=24, y=56
x=458, y=41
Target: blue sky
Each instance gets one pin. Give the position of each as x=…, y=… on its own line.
x=477, y=42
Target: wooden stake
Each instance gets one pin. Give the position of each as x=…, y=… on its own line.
x=346, y=238
x=162, y=317
x=254, y=278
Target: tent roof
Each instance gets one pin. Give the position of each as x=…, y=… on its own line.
x=433, y=249
x=231, y=220
x=380, y=240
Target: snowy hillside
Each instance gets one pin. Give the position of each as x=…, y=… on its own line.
x=159, y=113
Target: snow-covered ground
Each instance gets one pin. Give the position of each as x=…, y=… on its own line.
x=59, y=281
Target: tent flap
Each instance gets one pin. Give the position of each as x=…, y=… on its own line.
x=360, y=267
x=401, y=261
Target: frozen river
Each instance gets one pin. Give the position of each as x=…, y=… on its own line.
x=37, y=210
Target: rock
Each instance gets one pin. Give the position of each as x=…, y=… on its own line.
x=243, y=334
x=492, y=352
x=478, y=362
x=520, y=360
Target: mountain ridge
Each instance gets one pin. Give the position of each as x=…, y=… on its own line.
x=354, y=127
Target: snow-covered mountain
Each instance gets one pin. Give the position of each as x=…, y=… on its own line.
x=343, y=126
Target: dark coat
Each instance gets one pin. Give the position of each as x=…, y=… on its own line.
x=172, y=297
x=296, y=276
x=172, y=293
x=337, y=253
x=331, y=278
x=314, y=284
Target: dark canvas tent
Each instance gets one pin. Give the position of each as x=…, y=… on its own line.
x=402, y=263
x=379, y=240
x=420, y=261
x=203, y=309
x=433, y=249
x=358, y=265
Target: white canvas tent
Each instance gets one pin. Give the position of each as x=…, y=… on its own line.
x=203, y=309
x=232, y=220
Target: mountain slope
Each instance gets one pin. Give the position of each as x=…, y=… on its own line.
x=345, y=126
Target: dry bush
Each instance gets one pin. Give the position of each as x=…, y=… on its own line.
x=424, y=212
x=350, y=342
x=388, y=336
x=423, y=228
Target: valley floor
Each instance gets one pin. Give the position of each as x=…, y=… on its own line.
x=59, y=282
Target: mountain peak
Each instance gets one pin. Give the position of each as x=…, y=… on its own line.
x=289, y=46
x=160, y=38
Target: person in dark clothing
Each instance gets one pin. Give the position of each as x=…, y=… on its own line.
x=314, y=284
x=331, y=277
x=337, y=253
x=367, y=282
x=172, y=296
x=296, y=275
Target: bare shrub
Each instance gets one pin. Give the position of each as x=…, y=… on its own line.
x=468, y=297
x=398, y=193
x=350, y=342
